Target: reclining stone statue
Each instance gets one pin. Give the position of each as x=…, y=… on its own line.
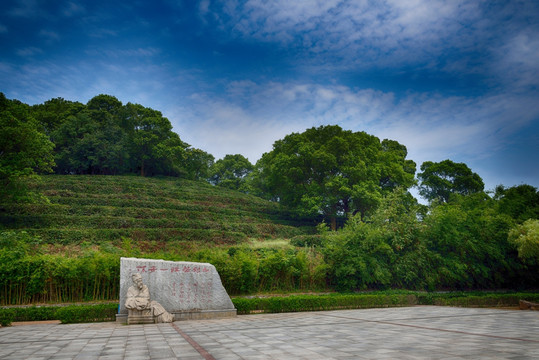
x=141, y=307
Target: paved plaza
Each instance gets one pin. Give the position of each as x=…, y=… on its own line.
x=423, y=332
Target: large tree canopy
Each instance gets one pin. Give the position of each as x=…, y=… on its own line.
x=441, y=179
x=334, y=172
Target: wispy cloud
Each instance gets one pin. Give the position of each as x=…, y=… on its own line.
x=49, y=35
x=380, y=32
x=124, y=53
x=25, y=9
x=73, y=9
x=29, y=51
x=102, y=33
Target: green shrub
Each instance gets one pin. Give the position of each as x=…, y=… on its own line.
x=320, y=302
x=35, y=313
x=483, y=300
x=306, y=240
x=7, y=316
x=87, y=313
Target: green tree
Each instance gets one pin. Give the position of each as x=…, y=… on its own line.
x=86, y=146
x=468, y=240
x=150, y=131
x=230, y=172
x=359, y=256
x=399, y=221
x=171, y=156
x=439, y=180
x=521, y=202
x=198, y=164
x=24, y=150
x=526, y=238
x=52, y=113
x=383, y=250
x=105, y=103
x=330, y=171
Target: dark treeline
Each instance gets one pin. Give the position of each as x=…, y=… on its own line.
x=108, y=138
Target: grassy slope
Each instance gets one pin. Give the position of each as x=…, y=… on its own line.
x=150, y=211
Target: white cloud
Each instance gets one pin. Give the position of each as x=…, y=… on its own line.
x=517, y=63
x=379, y=32
x=221, y=128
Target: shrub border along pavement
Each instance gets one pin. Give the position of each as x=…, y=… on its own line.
x=278, y=304
x=66, y=314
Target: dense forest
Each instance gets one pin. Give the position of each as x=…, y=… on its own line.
x=372, y=233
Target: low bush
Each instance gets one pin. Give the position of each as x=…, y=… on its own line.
x=383, y=299
x=87, y=313
x=306, y=240
x=7, y=316
x=35, y=313
x=297, y=303
x=483, y=300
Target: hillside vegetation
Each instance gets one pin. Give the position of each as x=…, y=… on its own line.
x=167, y=210
x=68, y=248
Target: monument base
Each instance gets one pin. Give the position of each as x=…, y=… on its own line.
x=121, y=318
x=204, y=314
x=184, y=315
x=140, y=317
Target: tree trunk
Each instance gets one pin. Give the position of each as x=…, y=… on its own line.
x=334, y=223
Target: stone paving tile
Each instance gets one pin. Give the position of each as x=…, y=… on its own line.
x=404, y=333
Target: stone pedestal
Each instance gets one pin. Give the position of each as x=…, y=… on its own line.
x=140, y=317
x=184, y=315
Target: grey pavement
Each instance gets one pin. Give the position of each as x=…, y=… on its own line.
x=423, y=332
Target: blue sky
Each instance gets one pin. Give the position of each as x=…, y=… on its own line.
x=448, y=79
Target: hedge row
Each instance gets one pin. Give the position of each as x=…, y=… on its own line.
x=295, y=303
x=363, y=301
x=66, y=314
x=87, y=313
x=320, y=302
x=492, y=300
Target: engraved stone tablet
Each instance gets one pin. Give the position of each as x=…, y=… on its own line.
x=180, y=287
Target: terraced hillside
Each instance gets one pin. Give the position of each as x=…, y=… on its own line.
x=68, y=250
x=97, y=209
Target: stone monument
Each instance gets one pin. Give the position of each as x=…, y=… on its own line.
x=187, y=290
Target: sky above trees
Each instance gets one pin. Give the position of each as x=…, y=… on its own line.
x=448, y=79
